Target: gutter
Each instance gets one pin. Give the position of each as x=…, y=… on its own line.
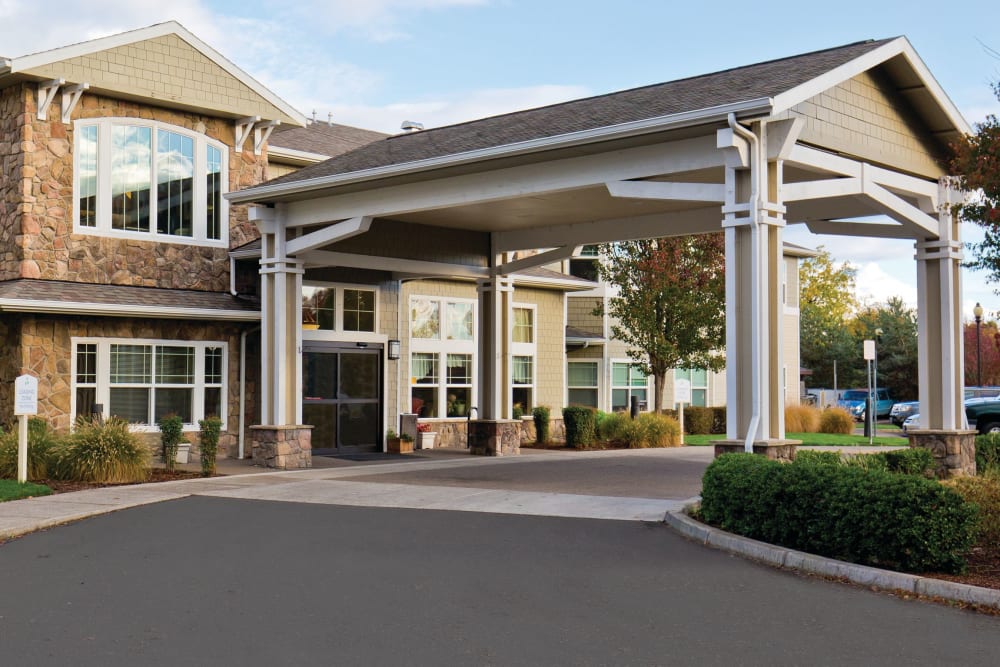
x=70, y=308
x=759, y=106
x=293, y=156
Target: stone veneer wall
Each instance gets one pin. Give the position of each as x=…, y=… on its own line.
x=45, y=245
x=14, y=133
x=41, y=345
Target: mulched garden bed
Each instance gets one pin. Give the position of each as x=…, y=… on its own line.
x=155, y=475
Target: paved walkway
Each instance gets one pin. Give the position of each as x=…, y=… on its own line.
x=631, y=485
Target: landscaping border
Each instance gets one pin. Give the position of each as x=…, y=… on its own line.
x=782, y=557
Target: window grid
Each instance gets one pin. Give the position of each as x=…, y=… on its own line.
x=627, y=380
x=582, y=383
x=443, y=329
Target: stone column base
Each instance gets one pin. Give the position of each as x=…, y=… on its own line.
x=282, y=447
x=775, y=450
x=500, y=437
x=954, y=451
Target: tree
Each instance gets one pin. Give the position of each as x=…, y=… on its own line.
x=826, y=302
x=896, y=347
x=989, y=348
x=977, y=164
x=670, y=307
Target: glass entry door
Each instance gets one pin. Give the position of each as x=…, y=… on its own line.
x=342, y=397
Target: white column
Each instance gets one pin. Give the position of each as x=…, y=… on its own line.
x=940, y=348
x=753, y=218
x=281, y=331
x=494, y=347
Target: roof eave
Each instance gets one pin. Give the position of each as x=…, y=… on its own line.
x=750, y=108
x=111, y=310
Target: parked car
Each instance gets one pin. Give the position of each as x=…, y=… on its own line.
x=982, y=392
x=983, y=414
x=855, y=402
x=902, y=411
x=913, y=421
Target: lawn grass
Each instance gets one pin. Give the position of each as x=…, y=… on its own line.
x=829, y=439
x=11, y=489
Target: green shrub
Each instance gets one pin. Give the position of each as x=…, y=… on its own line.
x=541, y=415
x=810, y=457
x=610, y=426
x=102, y=451
x=171, y=434
x=669, y=412
x=873, y=461
x=517, y=412
x=984, y=491
x=801, y=419
x=659, y=430
x=836, y=420
x=987, y=452
x=914, y=461
x=581, y=424
x=697, y=420
x=870, y=517
x=41, y=443
x=211, y=428
x=719, y=424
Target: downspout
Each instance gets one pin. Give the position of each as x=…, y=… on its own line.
x=754, y=276
x=232, y=276
x=243, y=388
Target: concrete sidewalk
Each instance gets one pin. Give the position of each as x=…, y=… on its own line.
x=366, y=484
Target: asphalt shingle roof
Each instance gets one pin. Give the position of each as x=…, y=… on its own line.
x=767, y=79
x=323, y=138
x=123, y=295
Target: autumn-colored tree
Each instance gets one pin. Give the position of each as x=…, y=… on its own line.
x=670, y=307
x=977, y=164
x=989, y=348
x=826, y=303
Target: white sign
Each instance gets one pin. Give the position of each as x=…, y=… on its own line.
x=682, y=391
x=26, y=395
x=869, y=350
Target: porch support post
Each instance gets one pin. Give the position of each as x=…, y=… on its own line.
x=753, y=220
x=494, y=347
x=280, y=440
x=940, y=351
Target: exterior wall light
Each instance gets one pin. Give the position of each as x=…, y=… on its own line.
x=393, y=349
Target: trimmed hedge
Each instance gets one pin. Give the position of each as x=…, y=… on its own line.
x=581, y=426
x=697, y=420
x=541, y=417
x=987, y=452
x=901, y=522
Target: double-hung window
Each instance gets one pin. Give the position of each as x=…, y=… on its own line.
x=523, y=354
x=627, y=380
x=582, y=380
x=144, y=381
x=442, y=353
x=143, y=178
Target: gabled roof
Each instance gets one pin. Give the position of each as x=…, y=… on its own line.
x=322, y=140
x=35, y=66
x=751, y=91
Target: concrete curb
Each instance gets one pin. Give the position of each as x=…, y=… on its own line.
x=828, y=567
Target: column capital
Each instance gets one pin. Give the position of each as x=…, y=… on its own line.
x=938, y=249
x=281, y=265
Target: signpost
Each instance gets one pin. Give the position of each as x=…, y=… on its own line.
x=25, y=404
x=682, y=395
x=869, y=350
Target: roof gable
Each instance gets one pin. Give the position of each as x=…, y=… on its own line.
x=165, y=63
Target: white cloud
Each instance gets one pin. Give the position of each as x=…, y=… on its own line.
x=377, y=20
x=875, y=285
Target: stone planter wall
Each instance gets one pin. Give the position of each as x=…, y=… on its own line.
x=557, y=430
x=283, y=447
x=954, y=451
x=776, y=450
x=495, y=438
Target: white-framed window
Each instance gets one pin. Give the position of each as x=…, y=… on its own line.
x=628, y=380
x=442, y=356
x=333, y=307
x=584, y=265
x=582, y=379
x=523, y=354
x=142, y=178
x=698, y=377
x=143, y=381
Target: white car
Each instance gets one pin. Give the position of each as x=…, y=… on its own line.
x=913, y=421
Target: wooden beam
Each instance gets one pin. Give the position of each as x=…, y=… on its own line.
x=861, y=229
x=681, y=223
x=327, y=235
x=316, y=258
x=922, y=226
x=822, y=189
x=706, y=192
x=540, y=259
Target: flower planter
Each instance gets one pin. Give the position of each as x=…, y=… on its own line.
x=183, y=450
x=398, y=446
x=427, y=439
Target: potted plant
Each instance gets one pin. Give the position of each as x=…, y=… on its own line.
x=426, y=435
x=398, y=444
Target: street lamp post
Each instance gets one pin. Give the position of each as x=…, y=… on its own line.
x=978, y=312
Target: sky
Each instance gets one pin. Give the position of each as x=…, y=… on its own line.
x=376, y=63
